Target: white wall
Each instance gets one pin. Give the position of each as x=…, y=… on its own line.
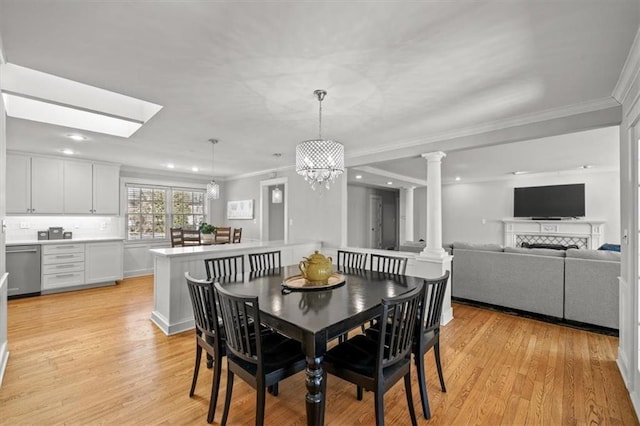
x=81, y=226
x=465, y=205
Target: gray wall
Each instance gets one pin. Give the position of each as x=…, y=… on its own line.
x=276, y=216
x=358, y=216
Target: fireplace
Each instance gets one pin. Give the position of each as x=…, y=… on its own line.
x=584, y=233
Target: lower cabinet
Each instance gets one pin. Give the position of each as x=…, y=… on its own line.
x=103, y=262
x=66, y=266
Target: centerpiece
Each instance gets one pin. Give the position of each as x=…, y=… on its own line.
x=316, y=274
x=207, y=232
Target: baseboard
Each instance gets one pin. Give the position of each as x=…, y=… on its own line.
x=169, y=329
x=4, y=359
x=138, y=273
x=540, y=317
x=447, y=316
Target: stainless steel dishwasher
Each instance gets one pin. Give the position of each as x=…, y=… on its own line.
x=23, y=266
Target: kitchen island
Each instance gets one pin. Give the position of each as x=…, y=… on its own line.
x=172, y=311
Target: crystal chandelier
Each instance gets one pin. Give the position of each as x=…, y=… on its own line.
x=320, y=161
x=276, y=194
x=213, y=189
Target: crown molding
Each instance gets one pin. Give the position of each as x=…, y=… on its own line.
x=510, y=177
x=259, y=173
x=629, y=73
x=537, y=117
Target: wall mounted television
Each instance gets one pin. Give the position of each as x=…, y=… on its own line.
x=549, y=202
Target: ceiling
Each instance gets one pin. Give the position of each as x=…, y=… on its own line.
x=397, y=74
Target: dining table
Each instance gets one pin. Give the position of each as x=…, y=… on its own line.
x=314, y=316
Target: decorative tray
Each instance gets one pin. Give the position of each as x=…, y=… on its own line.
x=298, y=282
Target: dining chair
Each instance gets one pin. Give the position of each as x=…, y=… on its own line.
x=266, y=260
x=176, y=237
x=377, y=363
x=223, y=235
x=388, y=264
x=427, y=334
x=237, y=235
x=351, y=259
x=209, y=335
x=191, y=237
x=262, y=361
x=229, y=268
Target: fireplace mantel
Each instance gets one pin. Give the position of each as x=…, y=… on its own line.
x=585, y=233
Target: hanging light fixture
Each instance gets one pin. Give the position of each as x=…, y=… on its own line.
x=213, y=189
x=320, y=161
x=276, y=194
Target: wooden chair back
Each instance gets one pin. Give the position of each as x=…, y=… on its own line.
x=223, y=235
x=237, y=235
x=191, y=237
x=433, y=301
x=204, y=310
x=388, y=264
x=263, y=261
x=176, y=237
x=226, y=269
x=351, y=260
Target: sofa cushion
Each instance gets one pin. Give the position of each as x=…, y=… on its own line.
x=594, y=254
x=535, y=251
x=477, y=246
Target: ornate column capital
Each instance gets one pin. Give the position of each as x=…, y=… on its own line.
x=434, y=156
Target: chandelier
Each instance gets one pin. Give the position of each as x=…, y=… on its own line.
x=320, y=161
x=213, y=189
x=276, y=194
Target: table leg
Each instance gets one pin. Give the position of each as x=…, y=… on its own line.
x=315, y=396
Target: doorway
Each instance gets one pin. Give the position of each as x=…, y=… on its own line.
x=274, y=215
x=375, y=221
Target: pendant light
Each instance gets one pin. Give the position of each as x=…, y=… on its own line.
x=213, y=189
x=320, y=161
x=276, y=194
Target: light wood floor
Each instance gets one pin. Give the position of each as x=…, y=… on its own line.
x=94, y=357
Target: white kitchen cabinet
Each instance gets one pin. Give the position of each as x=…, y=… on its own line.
x=63, y=266
x=18, y=184
x=103, y=261
x=78, y=189
x=106, y=189
x=46, y=185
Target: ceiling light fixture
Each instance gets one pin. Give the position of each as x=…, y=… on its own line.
x=320, y=161
x=458, y=178
x=518, y=173
x=389, y=183
x=276, y=194
x=194, y=169
x=213, y=189
x=171, y=166
x=76, y=137
x=358, y=176
x=67, y=151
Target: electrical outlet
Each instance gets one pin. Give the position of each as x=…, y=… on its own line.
x=103, y=226
x=24, y=225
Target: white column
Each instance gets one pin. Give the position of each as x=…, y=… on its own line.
x=434, y=205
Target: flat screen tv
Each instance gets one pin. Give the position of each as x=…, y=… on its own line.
x=555, y=201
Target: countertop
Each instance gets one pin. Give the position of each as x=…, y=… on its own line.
x=70, y=241
x=191, y=250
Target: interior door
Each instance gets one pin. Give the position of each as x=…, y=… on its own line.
x=375, y=221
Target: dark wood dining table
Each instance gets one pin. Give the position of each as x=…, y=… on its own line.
x=317, y=316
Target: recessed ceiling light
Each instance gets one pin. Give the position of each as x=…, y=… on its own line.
x=586, y=166
x=519, y=172
x=458, y=178
x=358, y=176
x=76, y=137
x=194, y=169
x=171, y=166
x=67, y=151
x=389, y=183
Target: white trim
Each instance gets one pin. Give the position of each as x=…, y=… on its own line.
x=549, y=114
x=4, y=348
x=557, y=173
x=629, y=73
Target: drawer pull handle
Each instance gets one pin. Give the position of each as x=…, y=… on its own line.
x=65, y=266
x=64, y=256
x=22, y=251
x=64, y=275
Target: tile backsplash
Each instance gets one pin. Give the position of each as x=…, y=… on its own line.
x=20, y=228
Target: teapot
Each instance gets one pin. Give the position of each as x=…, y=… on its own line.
x=317, y=268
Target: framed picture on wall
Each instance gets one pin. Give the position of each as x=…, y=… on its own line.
x=242, y=209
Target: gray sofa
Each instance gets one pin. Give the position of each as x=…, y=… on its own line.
x=576, y=285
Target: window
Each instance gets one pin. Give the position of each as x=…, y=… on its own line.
x=187, y=208
x=146, y=212
x=152, y=210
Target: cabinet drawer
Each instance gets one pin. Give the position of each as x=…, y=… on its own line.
x=62, y=248
x=61, y=268
x=62, y=279
x=51, y=259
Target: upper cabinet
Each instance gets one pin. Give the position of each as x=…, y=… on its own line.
x=43, y=185
x=91, y=188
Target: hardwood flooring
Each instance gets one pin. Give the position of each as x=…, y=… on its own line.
x=94, y=357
